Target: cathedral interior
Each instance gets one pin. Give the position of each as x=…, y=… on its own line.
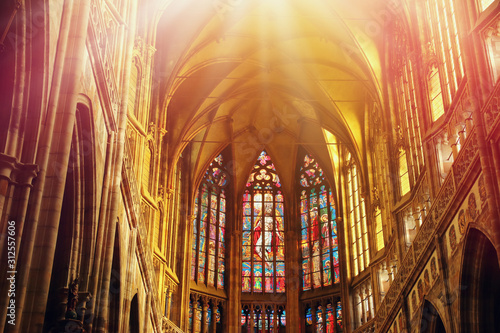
x=250, y=166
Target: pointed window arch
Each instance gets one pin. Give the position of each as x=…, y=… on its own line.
x=208, y=249
x=263, y=235
x=319, y=243
x=356, y=217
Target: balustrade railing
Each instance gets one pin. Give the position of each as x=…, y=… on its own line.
x=424, y=235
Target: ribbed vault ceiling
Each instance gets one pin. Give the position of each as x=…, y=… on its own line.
x=268, y=74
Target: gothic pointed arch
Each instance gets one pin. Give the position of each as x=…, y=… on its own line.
x=263, y=267
x=431, y=321
x=480, y=295
x=318, y=223
x=209, y=246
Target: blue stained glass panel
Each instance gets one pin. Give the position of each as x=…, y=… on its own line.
x=335, y=258
x=247, y=223
x=305, y=235
x=202, y=244
x=304, y=221
x=322, y=201
x=279, y=209
x=308, y=317
x=247, y=266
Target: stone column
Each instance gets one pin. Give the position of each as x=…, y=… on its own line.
x=204, y=317
x=32, y=302
x=168, y=300
x=323, y=313
x=194, y=321
x=275, y=318
x=314, y=319
x=358, y=310
x=263, y=318
x=215, y=306
x=370, y=301
x=251, y=322
x=182, y=313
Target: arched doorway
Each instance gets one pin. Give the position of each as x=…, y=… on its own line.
x=480, y=290
x=133, y=323
x=431, y=320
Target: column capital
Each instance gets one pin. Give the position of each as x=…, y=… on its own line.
x=190, y=219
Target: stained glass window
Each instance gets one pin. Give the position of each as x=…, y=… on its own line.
x=319, y=241
x=263, y=268
x=357, y=221
x=409, y=120
x=208, y=249
x=444, y=39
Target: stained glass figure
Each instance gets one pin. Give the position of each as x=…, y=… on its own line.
x=309, y=320
x=282, y=317
x=319, y=320
x=330, y=319
x=209, y=316
x=263, y=234
x=319, y=243
x=208, y=249
x=339, y=317
x=218, y=316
